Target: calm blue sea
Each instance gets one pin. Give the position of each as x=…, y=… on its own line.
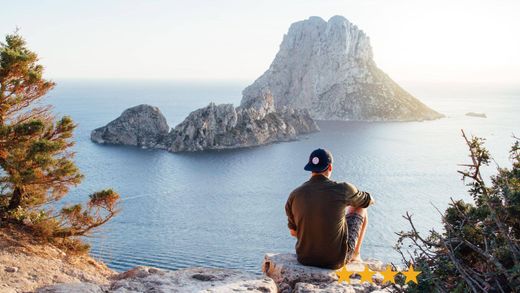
x=226, y=209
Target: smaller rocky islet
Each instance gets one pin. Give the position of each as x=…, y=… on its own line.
x=214, y=127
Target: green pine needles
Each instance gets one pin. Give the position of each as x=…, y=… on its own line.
x=36, y=167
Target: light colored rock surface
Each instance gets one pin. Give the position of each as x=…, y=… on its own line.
x=291, y=276
x=144, y=279
x=72, y=287
x=335, y=287
x=38, y=265
x=225, y=127
x=147, y=279
x=142, y=126
x=327, y=68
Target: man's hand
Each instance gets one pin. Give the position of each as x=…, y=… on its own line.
x=293, y=232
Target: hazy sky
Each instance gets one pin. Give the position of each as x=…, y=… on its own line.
x=413, y=40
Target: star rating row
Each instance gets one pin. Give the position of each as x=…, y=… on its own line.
x=367, y=274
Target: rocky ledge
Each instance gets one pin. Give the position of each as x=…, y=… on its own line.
x=213, y=127
x=290, y=276
x=282, y=273
x=28, y=266
x=147, y=279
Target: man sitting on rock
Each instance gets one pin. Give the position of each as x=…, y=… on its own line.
x=328, y=218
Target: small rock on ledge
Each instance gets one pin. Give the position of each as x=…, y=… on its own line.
x=291, y=276
x=11, y=269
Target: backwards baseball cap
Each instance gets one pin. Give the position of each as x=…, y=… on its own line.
x=319, y=161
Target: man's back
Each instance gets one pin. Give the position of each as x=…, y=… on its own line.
x=316, y=210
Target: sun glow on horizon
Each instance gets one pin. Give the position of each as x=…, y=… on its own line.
x=462, y=41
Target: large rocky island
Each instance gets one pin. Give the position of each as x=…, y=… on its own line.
x=328, y=68
x=323, y=70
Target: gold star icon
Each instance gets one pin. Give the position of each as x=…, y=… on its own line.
x=343, y=275
x=366, y=275
x=388, y=275
x=411, y=275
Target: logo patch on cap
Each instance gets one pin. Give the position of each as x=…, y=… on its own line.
x=315, y=160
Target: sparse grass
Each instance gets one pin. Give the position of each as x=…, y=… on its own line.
x=12, y=234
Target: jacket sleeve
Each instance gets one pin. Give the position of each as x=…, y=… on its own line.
x=288, y=211
x=355, y=197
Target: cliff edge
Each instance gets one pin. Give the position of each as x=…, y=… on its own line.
x=26, y=265
x=29, y=266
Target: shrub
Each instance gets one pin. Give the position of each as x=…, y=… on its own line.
x=478, y=249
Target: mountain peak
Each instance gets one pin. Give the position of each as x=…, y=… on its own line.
x=327, y=67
